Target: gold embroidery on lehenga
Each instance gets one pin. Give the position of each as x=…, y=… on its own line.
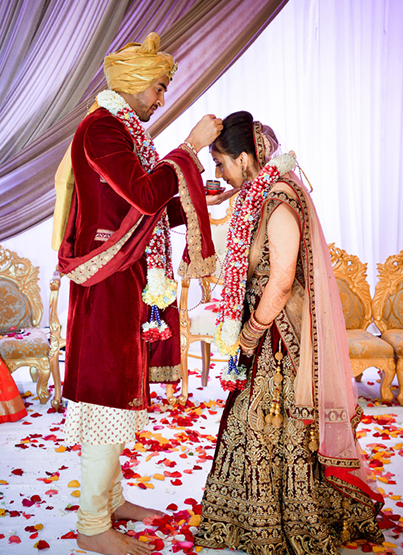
x=266, y=493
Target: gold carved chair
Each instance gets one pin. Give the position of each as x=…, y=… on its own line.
x=365, y=349
x=387, y=309
x=57, y=342
x=22, y=342
x=197, y=319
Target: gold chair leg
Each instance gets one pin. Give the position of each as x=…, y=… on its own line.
x=55, y=370
x=170, y=394
x=206, y=350
x=399, y=373
x=387, y=378
x=43, y=378
x=183, y=397
x=33, y=370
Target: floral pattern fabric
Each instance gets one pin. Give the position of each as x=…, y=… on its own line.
x=99, y=425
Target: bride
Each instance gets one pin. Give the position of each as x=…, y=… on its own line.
x=287, y=476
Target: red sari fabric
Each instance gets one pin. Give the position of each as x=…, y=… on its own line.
x=106, y=361
x=11, y=405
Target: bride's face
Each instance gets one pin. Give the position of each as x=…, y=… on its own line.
x=227, y=168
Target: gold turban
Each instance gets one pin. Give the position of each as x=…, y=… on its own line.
x=135, y=67
x=132, y=69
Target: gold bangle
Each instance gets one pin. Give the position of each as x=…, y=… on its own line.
x=192, y=147
x=257, y=324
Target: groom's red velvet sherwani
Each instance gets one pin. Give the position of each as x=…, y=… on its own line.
x=115, y=207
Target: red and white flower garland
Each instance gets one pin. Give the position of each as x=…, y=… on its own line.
x=246, y=211
x=160, y=290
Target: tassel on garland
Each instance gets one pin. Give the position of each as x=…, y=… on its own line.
x=156, y=329
x=234, y=376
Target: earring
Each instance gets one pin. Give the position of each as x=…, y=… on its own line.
x=244, y=174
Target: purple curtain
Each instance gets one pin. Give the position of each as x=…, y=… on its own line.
x=51, y=54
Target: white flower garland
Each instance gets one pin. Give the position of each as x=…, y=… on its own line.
x=112, y=101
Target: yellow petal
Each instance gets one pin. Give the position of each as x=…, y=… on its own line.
x=76, y=493
x=198, y=548
x=144, y=479
x=53, y=478
x=3, y=482
x=60, y=449
x=395, y=497
x=2, y=512
x=143, y=539
x=38, y=526
x=195, y=520
x=389, y=544
x=73, y=484
x=159, y=477
x=381, y=479
x=378, y=548
x=149, y=485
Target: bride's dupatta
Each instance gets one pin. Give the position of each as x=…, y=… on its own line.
x=324, y=389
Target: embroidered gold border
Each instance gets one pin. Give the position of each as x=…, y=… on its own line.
x=351, y=491
x=259, y=143
x=103, y=235
x=356, y=419
x=162, y=374
x=85, y=271
x=137, y=402
x=195, y=158
x=198, y=266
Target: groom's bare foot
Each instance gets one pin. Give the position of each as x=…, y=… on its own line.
x=129, y=511
x=113, y=543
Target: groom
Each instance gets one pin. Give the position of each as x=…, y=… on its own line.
x=119, y=200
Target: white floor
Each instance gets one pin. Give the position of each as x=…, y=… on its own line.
x=22, y=470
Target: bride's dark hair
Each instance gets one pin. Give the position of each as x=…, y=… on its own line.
x=236, y=135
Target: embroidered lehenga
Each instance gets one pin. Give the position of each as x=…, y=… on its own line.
x=271, y=490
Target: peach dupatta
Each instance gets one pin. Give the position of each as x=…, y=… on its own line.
x=324, y=384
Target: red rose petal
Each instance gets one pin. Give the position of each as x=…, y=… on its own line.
x=42, y=545
x=69, y=536
x=190, y=501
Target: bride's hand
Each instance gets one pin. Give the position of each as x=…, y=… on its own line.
x=212, y=200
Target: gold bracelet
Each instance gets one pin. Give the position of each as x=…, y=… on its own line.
x=192, y=147
x=257, y=325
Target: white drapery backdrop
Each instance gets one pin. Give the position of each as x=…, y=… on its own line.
x=327, y=76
